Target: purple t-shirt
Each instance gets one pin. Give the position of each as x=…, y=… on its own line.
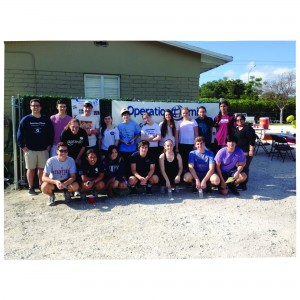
x=58, y=126
x=229, y=160
x=223, y=129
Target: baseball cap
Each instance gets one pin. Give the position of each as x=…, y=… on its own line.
x=87, y=103
x=124, y=110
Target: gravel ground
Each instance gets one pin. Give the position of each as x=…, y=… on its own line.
x=261, y=222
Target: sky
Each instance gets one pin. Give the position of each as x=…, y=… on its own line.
x=264, y=59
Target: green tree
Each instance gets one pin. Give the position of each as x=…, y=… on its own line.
x=253, y=88
x=222, y=88
x=279, y=91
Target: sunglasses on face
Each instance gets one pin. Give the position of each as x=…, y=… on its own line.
x=63, y=150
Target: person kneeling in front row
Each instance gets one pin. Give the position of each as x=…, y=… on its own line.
x=142, y=165
x=170, y=167
x=230, y=161
x=201, y=167
x=92, y=175
x=59, y=175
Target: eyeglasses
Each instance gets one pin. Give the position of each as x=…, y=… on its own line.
x=63, y=150
x=239, y=120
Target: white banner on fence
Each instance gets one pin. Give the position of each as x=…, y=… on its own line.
x=157, y=109
x=77, y=107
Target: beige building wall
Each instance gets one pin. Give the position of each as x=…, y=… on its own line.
x=148, y=70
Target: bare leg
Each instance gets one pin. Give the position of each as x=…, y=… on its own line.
x=30, y=176
x=40, y=175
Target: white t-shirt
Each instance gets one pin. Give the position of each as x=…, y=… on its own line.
x=151, y=130
x=109, y=138
x=186, y=131
x=88, y=122
x=169, y=135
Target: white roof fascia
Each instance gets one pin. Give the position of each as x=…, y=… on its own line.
x=199, y=50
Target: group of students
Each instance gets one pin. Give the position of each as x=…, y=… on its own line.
x=87, y=157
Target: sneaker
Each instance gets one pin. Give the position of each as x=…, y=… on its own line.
x=233, y=189
x=242, y=187
x=133, y=190
x=208, y=188
x=176, y=189
x=67, y=197
x=162, y=190
x=194, y=190
x=77, y=194
x=31, y=191
x=51, y=200
x=148, y=190
x=83, y=197
x=95, y=194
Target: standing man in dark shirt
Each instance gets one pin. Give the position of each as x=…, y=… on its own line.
x=35, y=136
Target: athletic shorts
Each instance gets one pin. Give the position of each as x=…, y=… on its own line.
x=36, y=159
x=201, y=175
x=228, y=174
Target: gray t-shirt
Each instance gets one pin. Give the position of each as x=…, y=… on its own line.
x=60, y=170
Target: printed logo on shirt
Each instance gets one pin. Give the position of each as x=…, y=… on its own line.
x=86, y=124
x=112, y=133
x=224, y=121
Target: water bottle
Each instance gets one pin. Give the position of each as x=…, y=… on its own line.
x=281, y=132
x=200, y=191
x=170, y=193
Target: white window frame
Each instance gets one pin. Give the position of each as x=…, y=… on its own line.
x=102, y=86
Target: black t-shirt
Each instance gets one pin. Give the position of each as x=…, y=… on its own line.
x=75, y=141
x=91, y=171
x=142, y=163
x=245, y=137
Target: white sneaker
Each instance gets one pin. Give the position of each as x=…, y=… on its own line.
x=77, y=194
x=51, y=200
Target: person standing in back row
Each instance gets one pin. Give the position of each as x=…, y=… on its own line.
x=151, y=132
x=205, y=126
x=109, y=135
x=246, y=141
x=59, y=121
x=224, y=123
x=188, y=131
x=128, y=133
x=90, y=123
x=34, y=137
